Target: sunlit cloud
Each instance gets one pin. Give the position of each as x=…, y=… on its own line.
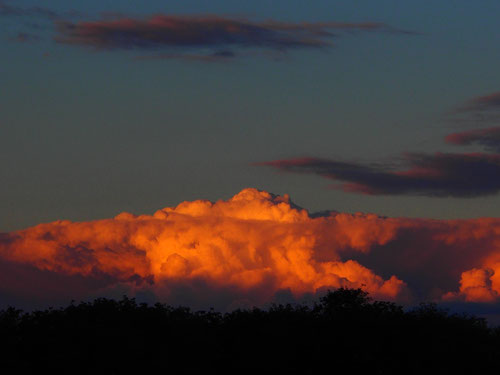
x=256, y=246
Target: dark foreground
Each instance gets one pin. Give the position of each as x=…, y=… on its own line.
x=345, y=332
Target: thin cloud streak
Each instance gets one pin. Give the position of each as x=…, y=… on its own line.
x=482, y=110
x=459, y=175
x=8, y=10
x=488, y=138
x=434, y=175
x=482, y=103
x=207, y=31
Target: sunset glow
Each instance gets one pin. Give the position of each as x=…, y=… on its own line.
x=260, y=244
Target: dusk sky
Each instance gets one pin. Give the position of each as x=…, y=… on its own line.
x=386, y=107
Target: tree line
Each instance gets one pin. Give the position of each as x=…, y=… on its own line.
x=345, y=331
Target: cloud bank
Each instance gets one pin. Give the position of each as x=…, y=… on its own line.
x=251, y=249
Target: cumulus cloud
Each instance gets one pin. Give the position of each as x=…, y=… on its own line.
x=253, y=247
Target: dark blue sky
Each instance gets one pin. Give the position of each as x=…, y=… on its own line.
x=94, y=125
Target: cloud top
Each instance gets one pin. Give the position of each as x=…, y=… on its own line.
x=257, y=245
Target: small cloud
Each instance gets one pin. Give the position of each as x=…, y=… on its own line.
x=221, y=34
x=488, y=138
x=479, y=110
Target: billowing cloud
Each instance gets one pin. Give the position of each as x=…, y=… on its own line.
x=254, y=247
x=432, y=175
x=488, y=138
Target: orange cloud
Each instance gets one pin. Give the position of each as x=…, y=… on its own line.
x=256, y=245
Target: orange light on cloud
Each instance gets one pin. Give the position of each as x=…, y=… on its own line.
x=259, y=244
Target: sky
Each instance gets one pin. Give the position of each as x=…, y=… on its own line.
x=383, y=107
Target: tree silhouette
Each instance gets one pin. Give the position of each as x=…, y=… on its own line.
x=344, y=331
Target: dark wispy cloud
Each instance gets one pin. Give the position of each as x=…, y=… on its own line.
x=7, y=9
x=460, y=175
x=204, y=38
x=14, y=10
x=482, y=103
x=488, y=138
x=433, y=175
x=211, y=32
x=480, y=110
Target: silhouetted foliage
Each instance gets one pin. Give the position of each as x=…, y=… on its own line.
x=344, y=331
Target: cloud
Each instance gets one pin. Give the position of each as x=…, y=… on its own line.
x=459, y=175
x=8, y=10
x=213, y=32
x=482, y=103
x=14, y=10
x=250, y=250
x=479, y=110
x=202, y=38
x=488, y=138
x=432, y=175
